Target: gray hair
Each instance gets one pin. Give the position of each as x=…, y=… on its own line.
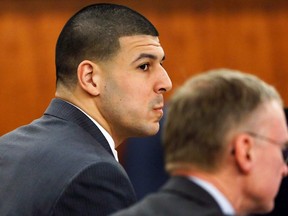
x=205, y=109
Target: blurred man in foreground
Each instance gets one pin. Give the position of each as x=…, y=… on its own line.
x=224, y=138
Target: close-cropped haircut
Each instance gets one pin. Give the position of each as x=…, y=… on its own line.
x=93, y=34
x=204, y=110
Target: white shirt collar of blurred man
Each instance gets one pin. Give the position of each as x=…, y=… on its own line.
x=222, y=201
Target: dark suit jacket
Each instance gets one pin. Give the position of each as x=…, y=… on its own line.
x=60, y=164
x=178, y=197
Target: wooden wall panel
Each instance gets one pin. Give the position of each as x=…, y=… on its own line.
x=197, y=35
x=27, y=79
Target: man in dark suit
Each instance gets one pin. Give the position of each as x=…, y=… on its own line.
x=224, y=133
x=110, y=85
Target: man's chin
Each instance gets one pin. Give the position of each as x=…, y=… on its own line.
x=152, y=130
x=265, y=209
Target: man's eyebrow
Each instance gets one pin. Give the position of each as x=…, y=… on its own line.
x=147, y=55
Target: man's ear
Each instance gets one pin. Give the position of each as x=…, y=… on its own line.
x=243, y=153
x=88, y=77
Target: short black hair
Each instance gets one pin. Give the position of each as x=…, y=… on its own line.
x=93, y=34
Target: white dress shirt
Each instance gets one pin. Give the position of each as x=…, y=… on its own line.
x=222, y=201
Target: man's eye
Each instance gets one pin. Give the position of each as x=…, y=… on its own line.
x=144, y=67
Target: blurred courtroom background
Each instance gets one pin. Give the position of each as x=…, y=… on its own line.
x=249, y=35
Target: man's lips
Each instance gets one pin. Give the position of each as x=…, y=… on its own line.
x=159, y=109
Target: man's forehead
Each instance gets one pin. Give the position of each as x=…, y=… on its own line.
x=139, y=40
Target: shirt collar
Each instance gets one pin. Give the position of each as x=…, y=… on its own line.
x=222, y=201
x=104, y=132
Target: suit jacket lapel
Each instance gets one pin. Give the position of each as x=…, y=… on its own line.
x=66, y=111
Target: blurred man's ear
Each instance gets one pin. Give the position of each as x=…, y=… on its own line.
x=243, y=152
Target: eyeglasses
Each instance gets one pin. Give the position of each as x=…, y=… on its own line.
x=269, y=140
